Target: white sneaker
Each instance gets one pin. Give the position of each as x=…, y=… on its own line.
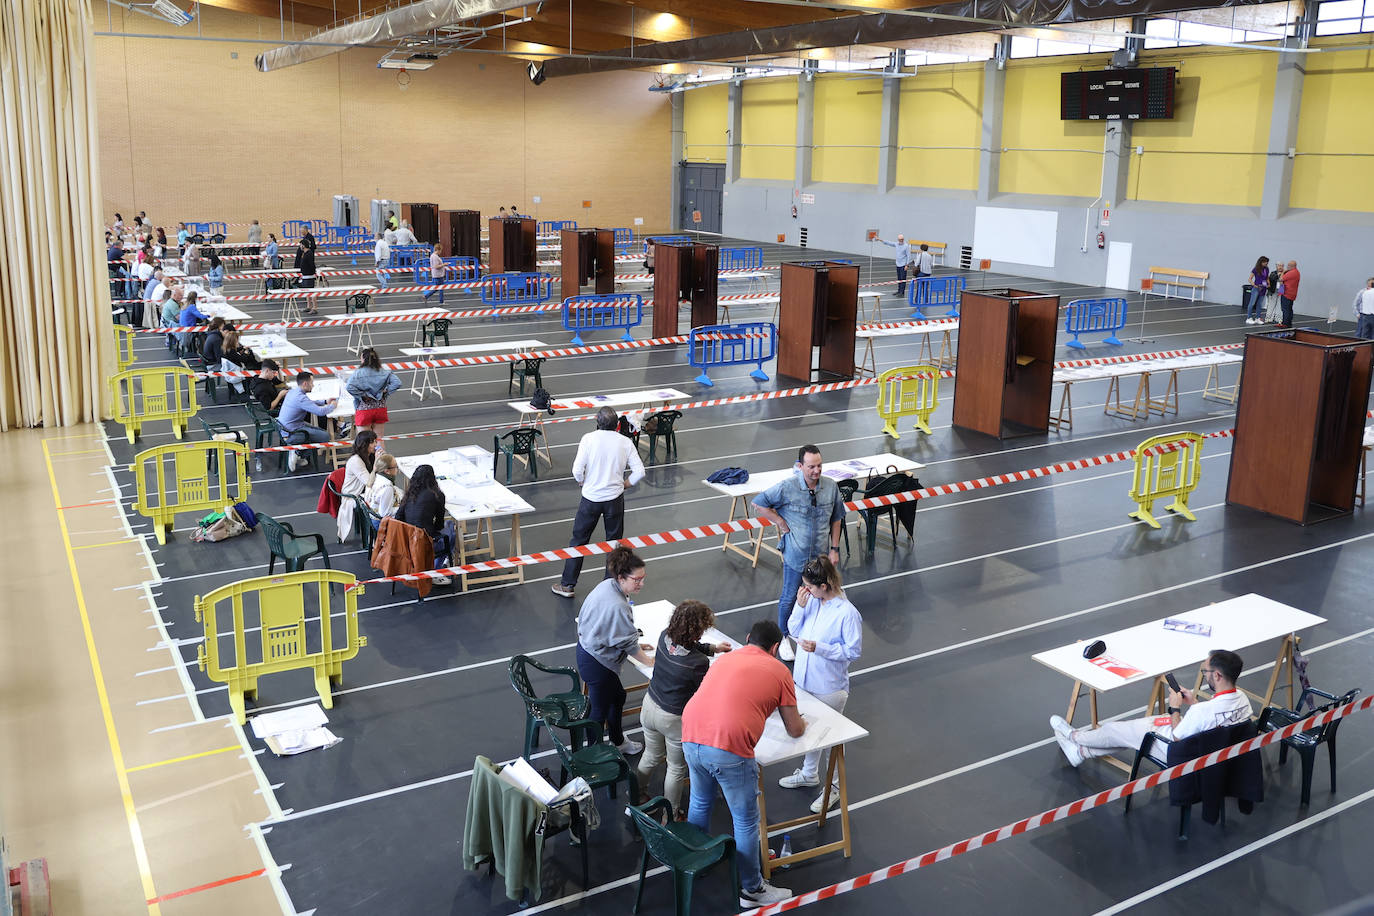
x=799, y=780
x=628, y=747
x=293, y=461
x=442, y=580
x=834, y=799
x=1063, y=733
x=763, y=896
x=785, y=650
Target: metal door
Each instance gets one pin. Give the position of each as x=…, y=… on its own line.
x=702, y=187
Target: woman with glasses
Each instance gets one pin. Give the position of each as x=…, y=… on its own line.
x=829, y=634
x=606, y=636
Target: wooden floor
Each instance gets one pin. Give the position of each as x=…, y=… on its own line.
x=956, y=708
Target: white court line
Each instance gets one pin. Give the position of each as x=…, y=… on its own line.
x=188, y=689
x=1232, y=856
x=189, y=792
x=274, y=810
x=274, y=871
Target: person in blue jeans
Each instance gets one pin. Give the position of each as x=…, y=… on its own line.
x=808, y=511
x=721, y=725
x=1259, y=287
x=294, y=417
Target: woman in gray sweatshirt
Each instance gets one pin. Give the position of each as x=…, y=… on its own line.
x=606, y=636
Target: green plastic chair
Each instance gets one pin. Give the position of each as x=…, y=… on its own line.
x=660, y=426
x=685, y=849
x=362, y=519
x=526, y=367
x=294, y=548
x=264, y=424
x=523, y=440
x=433, y=330
x=551, y=709
x=358, y=302
x=600, y=764
x=212, y=430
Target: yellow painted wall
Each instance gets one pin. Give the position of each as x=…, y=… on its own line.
x=705, y=123
x=846, y=128
x=940, y=106
x=1211, y=152
x=1046, y=155
x=768, y=129
x=1335, y=102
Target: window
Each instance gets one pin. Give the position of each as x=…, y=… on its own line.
x=1344, y=17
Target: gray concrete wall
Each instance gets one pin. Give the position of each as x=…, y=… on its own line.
x=1335, y=251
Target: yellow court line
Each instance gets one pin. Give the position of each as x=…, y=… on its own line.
x=135, y=831
x=105, y=544
x=163, y=763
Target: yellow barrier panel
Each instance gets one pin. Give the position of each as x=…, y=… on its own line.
x=124, y=347
x=160, y=393
x=1160, y=474
x=902, y=394
x=185, y=483
x=280, y=617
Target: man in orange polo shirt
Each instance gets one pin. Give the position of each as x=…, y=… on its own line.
x=721, y=724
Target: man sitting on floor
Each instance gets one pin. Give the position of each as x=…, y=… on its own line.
x=1227, y=706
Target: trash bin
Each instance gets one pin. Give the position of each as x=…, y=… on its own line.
x=1245, y=296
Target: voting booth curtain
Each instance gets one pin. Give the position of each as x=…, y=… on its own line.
x=56, y=345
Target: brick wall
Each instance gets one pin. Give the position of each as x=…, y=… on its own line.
x=188, y=132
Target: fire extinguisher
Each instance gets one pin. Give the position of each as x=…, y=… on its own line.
x=794, y=211
x=1101, y=240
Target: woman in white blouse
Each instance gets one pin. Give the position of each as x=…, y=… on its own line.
x=357, y=473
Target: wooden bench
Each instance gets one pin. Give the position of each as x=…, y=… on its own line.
x=1165, y=279
x=937, y=249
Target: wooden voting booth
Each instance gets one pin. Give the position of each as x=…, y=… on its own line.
x=1300, y=424
x=1007, y=337
x=424, y=221
x=512, y=244
x=588, y=256
x=460, y=234
x=819, y=307
x=684, y=273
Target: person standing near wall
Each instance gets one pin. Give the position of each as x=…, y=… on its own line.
x=1289, y=282
x=925, y=264
x=381, y=258
x=1259, y=285
x=903, y=258
x=1364, y=311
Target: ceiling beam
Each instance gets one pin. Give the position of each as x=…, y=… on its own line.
x=298, y=12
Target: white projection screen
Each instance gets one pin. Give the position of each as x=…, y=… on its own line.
x=1015, y=236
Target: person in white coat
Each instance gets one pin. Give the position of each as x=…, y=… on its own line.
x=357, y=475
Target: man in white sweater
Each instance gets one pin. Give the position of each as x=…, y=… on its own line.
x=602, y=459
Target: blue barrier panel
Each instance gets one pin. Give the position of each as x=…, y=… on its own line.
x=346, y=239
x=294, y=228
x=593, y=313
x=928, y=291
x=318, y=227
x=624, y=238
x=1086, y=316
x=213, y=227
x=461, y=269
x=750, y=258
x=517, y=289
x=550, y=226
x=732, y=345
x=665, y=240
x=408, y=255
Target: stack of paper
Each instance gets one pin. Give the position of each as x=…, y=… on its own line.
x=291, y=731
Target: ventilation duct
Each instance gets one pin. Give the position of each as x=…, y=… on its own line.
x=414, y=19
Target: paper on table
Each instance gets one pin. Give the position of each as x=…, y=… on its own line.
x=776, y=742
x=529, y=780
x=297, y=718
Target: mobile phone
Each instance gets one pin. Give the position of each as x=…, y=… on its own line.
x=1173, y=682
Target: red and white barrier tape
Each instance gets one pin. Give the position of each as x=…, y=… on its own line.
x=748, y=524
x=1087, y=803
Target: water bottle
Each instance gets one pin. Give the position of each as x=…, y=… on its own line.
x=786, y=848
x=257, y=463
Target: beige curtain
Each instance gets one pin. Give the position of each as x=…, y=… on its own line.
x=56, y=346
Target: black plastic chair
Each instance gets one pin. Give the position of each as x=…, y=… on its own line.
x=357, y=302
x=1219, y=779
x=293, y=548
x=685, y=849
x=1305, y=743
x=598, y=763
x=847, y=489
x=526, y=367
x=433, y=330
x=660, y=426
x=523, y=440
x=551, y=709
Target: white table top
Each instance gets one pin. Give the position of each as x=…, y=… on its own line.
x=774, y=298
x=169, y=271
x=1149, y=650
x=413, y=311
x=221, y=309
x=597, y=401
x=1368, y=436
x=359, y=288
x=465, y=477
x=1109, y=370
x=332, y=386
x=929, y=327
x=824, y=726
x=272, y=346
x=514, y=346
x=835, y=470
x=270, y=270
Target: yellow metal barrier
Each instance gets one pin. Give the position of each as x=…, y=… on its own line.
x=176, y=478
x=278, y=607
x=160, y=393
x=124, y=347
x=908, y=391
x=1171, y=472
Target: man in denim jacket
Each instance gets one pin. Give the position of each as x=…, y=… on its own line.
x=808, y=511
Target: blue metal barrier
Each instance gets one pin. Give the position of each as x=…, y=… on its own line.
x=665, y=240
x=929, y=291
x=318, y=227
x=408, y=255
x=344, y=239
x=750, y=258
x=517, y=289
x=594, y=313
x=550, y=226
x=732, y=345
x=294, y=228
x=1086, y=316
x=624, y=238
x=212, y=227
x=462, y=269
